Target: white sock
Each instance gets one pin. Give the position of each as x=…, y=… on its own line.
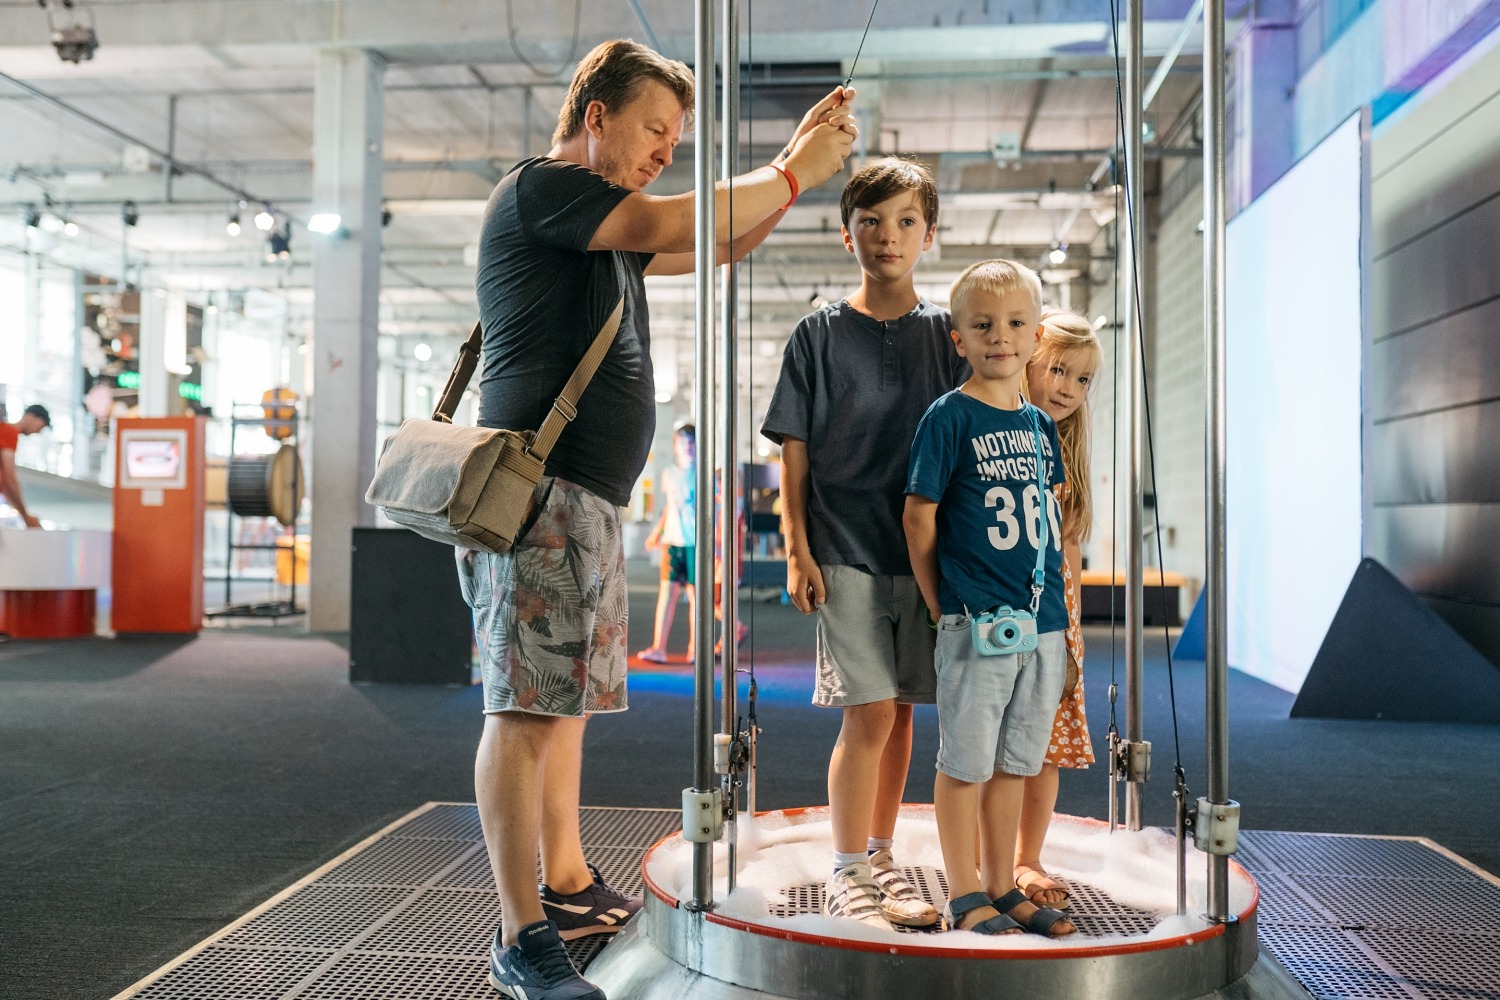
x=878, y=844
x=842, y=861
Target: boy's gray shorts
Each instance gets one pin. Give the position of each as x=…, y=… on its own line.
x=995, y=712
x=874, y=642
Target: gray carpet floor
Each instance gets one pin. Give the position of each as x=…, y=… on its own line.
x=152, y=790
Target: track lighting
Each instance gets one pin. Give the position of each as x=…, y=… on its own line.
x=264, y=220
x=128, y=214
x=1059, y=254
x=232, y=227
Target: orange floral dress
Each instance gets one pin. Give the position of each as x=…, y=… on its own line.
x=1070, y=746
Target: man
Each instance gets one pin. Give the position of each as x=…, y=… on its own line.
x=564, y=236
x=34, y=418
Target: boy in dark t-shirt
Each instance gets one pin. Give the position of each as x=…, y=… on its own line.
x=984, y=531
x=855, y=379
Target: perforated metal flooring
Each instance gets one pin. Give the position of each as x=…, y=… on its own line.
x=1376, y=918
x=408, y=914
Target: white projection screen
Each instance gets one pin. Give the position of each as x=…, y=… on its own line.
x=1293, y=378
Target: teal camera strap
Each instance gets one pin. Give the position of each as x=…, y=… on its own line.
x=1039, y=575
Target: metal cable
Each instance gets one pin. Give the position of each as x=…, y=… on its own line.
x=567, y=63
x=1136, y=305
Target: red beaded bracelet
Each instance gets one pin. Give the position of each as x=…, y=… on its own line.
x=791, y=182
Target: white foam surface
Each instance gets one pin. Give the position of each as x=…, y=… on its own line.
x=777, y=852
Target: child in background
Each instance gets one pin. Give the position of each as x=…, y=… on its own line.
x=981, y=521
x=1058, y=379
x=675, y=533
x=855, y=380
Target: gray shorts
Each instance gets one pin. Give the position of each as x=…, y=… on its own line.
x=995, y=712
x=874, y=643
x=550, y=614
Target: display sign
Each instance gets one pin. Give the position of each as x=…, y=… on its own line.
x=152, y=459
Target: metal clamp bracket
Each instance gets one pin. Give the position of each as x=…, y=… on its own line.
x=1134, y=760
x=723, y=752
x=702, y=816
x=1216, y=830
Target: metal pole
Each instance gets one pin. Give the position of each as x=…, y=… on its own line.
x=703, y=371
x=728, y=426
x=1216, y=634
x=1133, y=241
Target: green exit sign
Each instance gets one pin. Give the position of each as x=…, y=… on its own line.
x=187, y=390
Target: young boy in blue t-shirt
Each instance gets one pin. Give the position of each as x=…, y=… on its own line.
x=979, y=511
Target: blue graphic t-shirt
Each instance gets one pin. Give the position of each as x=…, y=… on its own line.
x=979, y=464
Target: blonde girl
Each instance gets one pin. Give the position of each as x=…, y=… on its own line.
x=1058, y=380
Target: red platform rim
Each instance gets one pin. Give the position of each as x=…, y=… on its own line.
x=1060, y=951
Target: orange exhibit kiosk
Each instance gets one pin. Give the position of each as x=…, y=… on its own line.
x=158, y=536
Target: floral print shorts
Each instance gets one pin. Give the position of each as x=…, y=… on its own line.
x=550, y=614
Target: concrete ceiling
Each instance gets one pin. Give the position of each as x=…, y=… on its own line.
x=227, y=88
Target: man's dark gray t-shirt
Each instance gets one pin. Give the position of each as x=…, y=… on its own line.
x=542, y=297
x=855, y=388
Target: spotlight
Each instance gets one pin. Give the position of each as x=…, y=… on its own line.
x=75, y=44
x=232, y=227
x=279, y=245
x=264, y=220
x=128, y=214
x=70, y=228
x=325, y=223
x=422, y=352
x=32, y=216
x=385, y=215
x=1059, y=254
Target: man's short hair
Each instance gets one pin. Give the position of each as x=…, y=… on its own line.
x=997, y=276
x=885, y=179
x=613, y=73
x=40, y=412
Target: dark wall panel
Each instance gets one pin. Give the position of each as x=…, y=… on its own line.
x=1449, y=362
x=1451, y=456
x=1433, y=455
x=1449, y=269
x=1479, y=624
x=1442, y=550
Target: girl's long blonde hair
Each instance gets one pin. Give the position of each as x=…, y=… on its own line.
x=1062, y=333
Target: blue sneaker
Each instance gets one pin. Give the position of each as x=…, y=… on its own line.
x=598, y=909
x=537, y=968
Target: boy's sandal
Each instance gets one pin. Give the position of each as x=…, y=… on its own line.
x=1034, y=882
x=1041, y=922
x=957, y=908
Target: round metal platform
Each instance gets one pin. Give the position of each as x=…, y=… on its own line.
x=770, y=939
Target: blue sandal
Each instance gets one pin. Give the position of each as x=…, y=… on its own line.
x=957, y=908
x=1041, y=922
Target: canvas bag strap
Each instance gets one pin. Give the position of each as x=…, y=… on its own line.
x=458, y=381
x=564, y=407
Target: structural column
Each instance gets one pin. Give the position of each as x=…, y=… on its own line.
x=346, y=285
x=151, y=354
